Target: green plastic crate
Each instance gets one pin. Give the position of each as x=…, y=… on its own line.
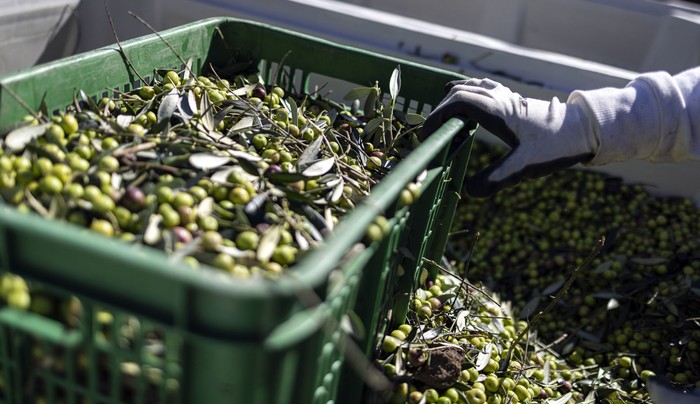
x=201, y=336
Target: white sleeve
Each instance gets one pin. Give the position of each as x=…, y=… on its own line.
x=656, y=117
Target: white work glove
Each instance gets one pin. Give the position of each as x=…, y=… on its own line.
x=545, y=136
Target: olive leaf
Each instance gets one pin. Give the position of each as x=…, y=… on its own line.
x=89, y=101
x=612, y=304
x=168, y=105
x=461, y=320
x=144, y=110
x=187, y=106
x=357, y=93
x=205, y=109
x=294, y=110
x=332, y=115
x=223, y=213
x=222, y=114
x=233, y=251
x=372, y=126
x=315, y=219
x=432, y=333
x=308, y=156
x=649, y=261
x=269, y=240
x=249, y=167
x=205, y=207
x=207, y=161
x=221, y=176
x=19, y=138
x=414, y=119
x=254, y=210
x=243, y=91
x=188, y=70
x=530, y=308
x=302, y=241
x=603, y=267
x=395, y=83
x=482, y=359
x=124, y=120
x=561, y=400
x=370, y=103
x=244, y=123
x=671, y=307
x=319, y=168
x=285, y=104
x=337, y=192
x=553, y=288
x=328, y=214
x=285, y=178
x=152, y=234
x=244, y=156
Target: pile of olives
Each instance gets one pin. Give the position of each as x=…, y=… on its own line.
x=237, y=174
x=462, y=345
x=631, y=312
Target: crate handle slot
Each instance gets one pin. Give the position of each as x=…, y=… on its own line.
x=47, y=329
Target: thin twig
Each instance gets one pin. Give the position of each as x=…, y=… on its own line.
x=135, y=149
x=564, y=289
x=114, y=31
x=464, y=284
x=20, y=101
x=279, y=68
x=164, y=41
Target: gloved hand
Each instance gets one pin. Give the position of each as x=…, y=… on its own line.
x=545, y=136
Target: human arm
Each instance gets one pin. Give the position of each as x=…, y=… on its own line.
x=656, y=117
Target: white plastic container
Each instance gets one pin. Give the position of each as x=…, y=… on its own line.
x=638, y=35
x=529, y=71
x=26, y=27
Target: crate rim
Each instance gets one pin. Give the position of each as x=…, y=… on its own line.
x=310, y=273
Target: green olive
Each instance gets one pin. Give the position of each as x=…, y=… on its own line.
x=108, y=164
x=259, y=141
x=172, y=78
x=103, y=227
x=390, y=344
x=284, y=254
x=183, y=199
x=475, y=396
x=103, y=203
x=239, y=196
x=55, y=133
x=69, y=124
x=247, y=240
x=50, y=184
x=146, y=92
x=211, y=239
x=74, y=191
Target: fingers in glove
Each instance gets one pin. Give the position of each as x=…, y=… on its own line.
x=473, y=82
x=474, y=107
x=454, y=83
x=487, y=182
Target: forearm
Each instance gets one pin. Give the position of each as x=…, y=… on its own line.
x=656, y=117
